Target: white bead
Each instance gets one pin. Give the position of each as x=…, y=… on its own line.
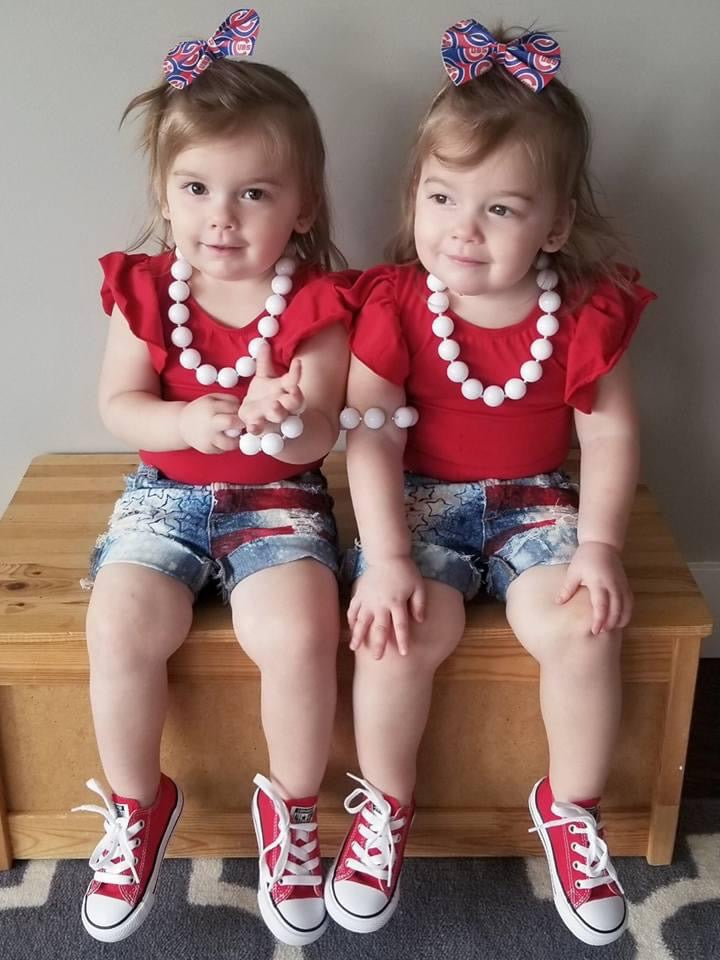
x=449, y=349
x=472, y=389
x=232, y=433
x=250, y=444
x=281, y=285
x=531, y=371
x=255, y=346
x=438, y=302
x=549, y=301
x=179, y=313
x=405, y=417
x=181, y=337
x=181, y=270
x=547, y=279
x=349, y=418
x=541, y=349
x=179, y=290
x=457, y=371
x=272, y=444
x=435, y=283
x=227, y=377
x=190, y=359
x=245, y=366
x=206, y=374
x=285, y=267
x=275, y=304
x=493, y=396
x=292, y=427
x=542, y=260
x=547, y=325
x=442, y=326
x=268, y=326
x=374, y=418
x=515, y=389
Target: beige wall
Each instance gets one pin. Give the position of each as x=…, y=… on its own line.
x=72, y=187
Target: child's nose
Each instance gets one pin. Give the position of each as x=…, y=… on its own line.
x=224, y=215
x=467, y=228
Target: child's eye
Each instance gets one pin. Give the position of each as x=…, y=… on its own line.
x=440, y=198
x=500, y=210
x=254, y=193
x=196, y=188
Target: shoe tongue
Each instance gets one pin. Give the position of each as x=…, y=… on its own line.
x=302, y=811
x=125, y=806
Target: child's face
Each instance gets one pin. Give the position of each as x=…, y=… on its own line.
x=479, y=229
x=232, y=207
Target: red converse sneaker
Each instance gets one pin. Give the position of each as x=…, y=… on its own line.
x=290, y=888
x=363, y=888
x=586, y=889
x=127, y=860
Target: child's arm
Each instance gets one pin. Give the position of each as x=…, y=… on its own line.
x=322, y=362
x=608, y=476
x=133, y=410
x=392, y=582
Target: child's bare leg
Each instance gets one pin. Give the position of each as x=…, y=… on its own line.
x=286, y=618
x=580, y=682
x=136, y=619
x=391, y=696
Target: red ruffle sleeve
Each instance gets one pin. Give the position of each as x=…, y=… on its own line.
x=130, y=284
x=322, y=302
x=377, y=338
x=603, y=328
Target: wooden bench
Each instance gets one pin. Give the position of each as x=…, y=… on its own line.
x=482, y=752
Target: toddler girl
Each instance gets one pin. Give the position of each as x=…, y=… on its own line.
x=502, y=321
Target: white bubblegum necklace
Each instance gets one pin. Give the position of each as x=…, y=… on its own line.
x=207, y=374
x=541, y=349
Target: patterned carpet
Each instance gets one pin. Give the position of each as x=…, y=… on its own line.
x=479, y=909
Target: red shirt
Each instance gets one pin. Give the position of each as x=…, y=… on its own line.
x=138, y=284
x=457, y=439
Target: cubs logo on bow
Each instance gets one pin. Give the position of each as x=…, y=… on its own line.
x=235, y=37
x=469, y=50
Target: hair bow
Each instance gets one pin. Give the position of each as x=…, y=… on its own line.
x=469, y=50
x=235, y=37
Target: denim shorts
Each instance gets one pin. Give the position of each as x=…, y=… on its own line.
x=486, y=533
x=221, y=531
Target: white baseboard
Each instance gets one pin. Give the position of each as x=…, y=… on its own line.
x=707, y=576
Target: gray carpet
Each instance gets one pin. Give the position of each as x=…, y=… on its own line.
x=480, y=909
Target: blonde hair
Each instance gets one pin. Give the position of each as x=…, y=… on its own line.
x=231, y=97
x=497, y=110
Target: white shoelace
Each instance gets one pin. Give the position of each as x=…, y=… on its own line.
x=118, y=843
x=597, y=865
x=380, y=831
x=287, y=872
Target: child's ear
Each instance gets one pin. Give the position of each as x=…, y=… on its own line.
x=560, y=229
x=306, y=218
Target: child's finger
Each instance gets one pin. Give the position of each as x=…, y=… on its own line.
x=569, y=588
x=417, y=603
x=614, y=609
x=378, y=636
x=292, y=400
x=359, y=633
x=352, y=611
x=291, y=379
x=264, y=366
x=401, y=626
x=600, y=605
x=276, y=413
x=628, y=602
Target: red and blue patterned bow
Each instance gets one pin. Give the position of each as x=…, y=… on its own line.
x=469, y=50
x=235, y=37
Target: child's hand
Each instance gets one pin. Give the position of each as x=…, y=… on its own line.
x=598, y=567
x=380, y=605
x=270, y=399
x=203, y=423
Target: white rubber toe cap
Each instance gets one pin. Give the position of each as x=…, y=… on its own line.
x=306, y=914
x=106, y=911
x=605, y=916
x=358, y=899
